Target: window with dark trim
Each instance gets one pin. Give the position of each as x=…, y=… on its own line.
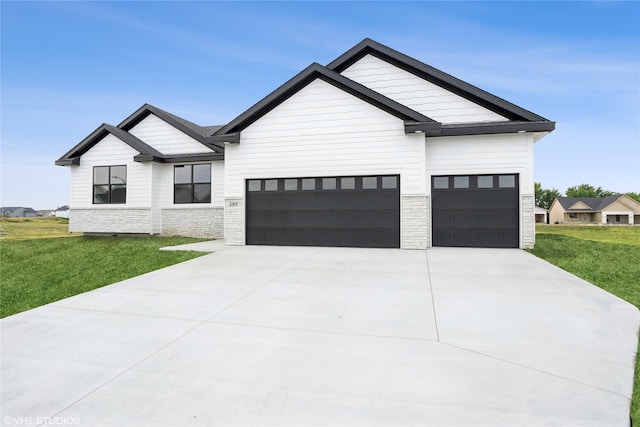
x=109, y=185
x=192, y=183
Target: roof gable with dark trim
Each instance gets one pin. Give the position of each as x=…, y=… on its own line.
x=199, y=133
x=72, y=157
x=435, y=76
x=302, y=79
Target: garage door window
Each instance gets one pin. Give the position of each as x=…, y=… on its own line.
x=271, y=185
x=290, y=184
x=389, y=182
x=485, y=181
x=369, y=183
x=309, y=184
x=328, y=183
x=255, y=185
x=461, y=182
x=441, y=183
x=347, y=183
x=507, y=181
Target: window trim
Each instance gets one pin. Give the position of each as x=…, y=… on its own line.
x=192, y=184
x=110, y=185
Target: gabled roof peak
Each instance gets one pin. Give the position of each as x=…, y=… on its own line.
x=306, y=76
x=435, y=76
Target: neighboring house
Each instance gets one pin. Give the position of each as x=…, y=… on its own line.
x=376, y=149
x=45, y=213
x=62, y=212
x=541, y=214
x=18, y=212
x=595, y=210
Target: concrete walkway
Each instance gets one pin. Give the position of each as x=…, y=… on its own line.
x=328, y=336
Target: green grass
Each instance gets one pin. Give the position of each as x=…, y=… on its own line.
x=607, y=256
x=605, y=233
x=34, y=228
x=34, y=272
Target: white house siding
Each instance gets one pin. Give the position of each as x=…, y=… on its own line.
x=488, y=154
x=132, y=217
x=197, y=219
x=417, y=93
x=165, y=138
x=321, y=131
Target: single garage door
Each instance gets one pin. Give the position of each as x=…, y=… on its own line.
x=475, y=211
x=356, y=211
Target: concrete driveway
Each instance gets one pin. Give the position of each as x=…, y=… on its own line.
x=328, y=336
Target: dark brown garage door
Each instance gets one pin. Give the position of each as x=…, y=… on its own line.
x=356, y=211
x=475, y=211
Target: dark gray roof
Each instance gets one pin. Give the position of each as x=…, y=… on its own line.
x=214, y=137
x=308, y=75
x=595, y=203
x=440, y=78
x=72, y=157
x=199, y=133
x=147, y=153
x=520, y=120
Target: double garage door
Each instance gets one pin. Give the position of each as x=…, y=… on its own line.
x=364, y=211
x=357, y=211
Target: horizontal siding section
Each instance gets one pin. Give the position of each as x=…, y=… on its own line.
x=480, y=154
x=323, y=131
x=417, y=93
x=110, y=151
x=165, y=138
x=166, y=183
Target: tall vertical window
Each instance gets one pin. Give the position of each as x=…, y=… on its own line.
x=109, y=184
x=192, y=184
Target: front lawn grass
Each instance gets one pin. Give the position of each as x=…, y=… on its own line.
x=34, y=272
x=607, y=256
x=34, y=228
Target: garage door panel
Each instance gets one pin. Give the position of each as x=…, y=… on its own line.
x=360, y=217
x=483, y=214
x=474, y=237
x=476, y=218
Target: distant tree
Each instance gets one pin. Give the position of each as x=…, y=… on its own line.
x=634, y=196
x=586, y=190
x=544, y=197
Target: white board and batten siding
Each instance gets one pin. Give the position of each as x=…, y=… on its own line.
x=158, y=134
x=417, y=93
x=324, y=131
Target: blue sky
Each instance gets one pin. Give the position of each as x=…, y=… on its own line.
x=67, y=67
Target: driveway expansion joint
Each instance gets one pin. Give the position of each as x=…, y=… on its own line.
x=536, y=370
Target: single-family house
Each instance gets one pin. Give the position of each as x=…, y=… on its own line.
x=18, y=212
x=619, y=209
x=375, y=149
x=541, y=214
x=62, y=212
